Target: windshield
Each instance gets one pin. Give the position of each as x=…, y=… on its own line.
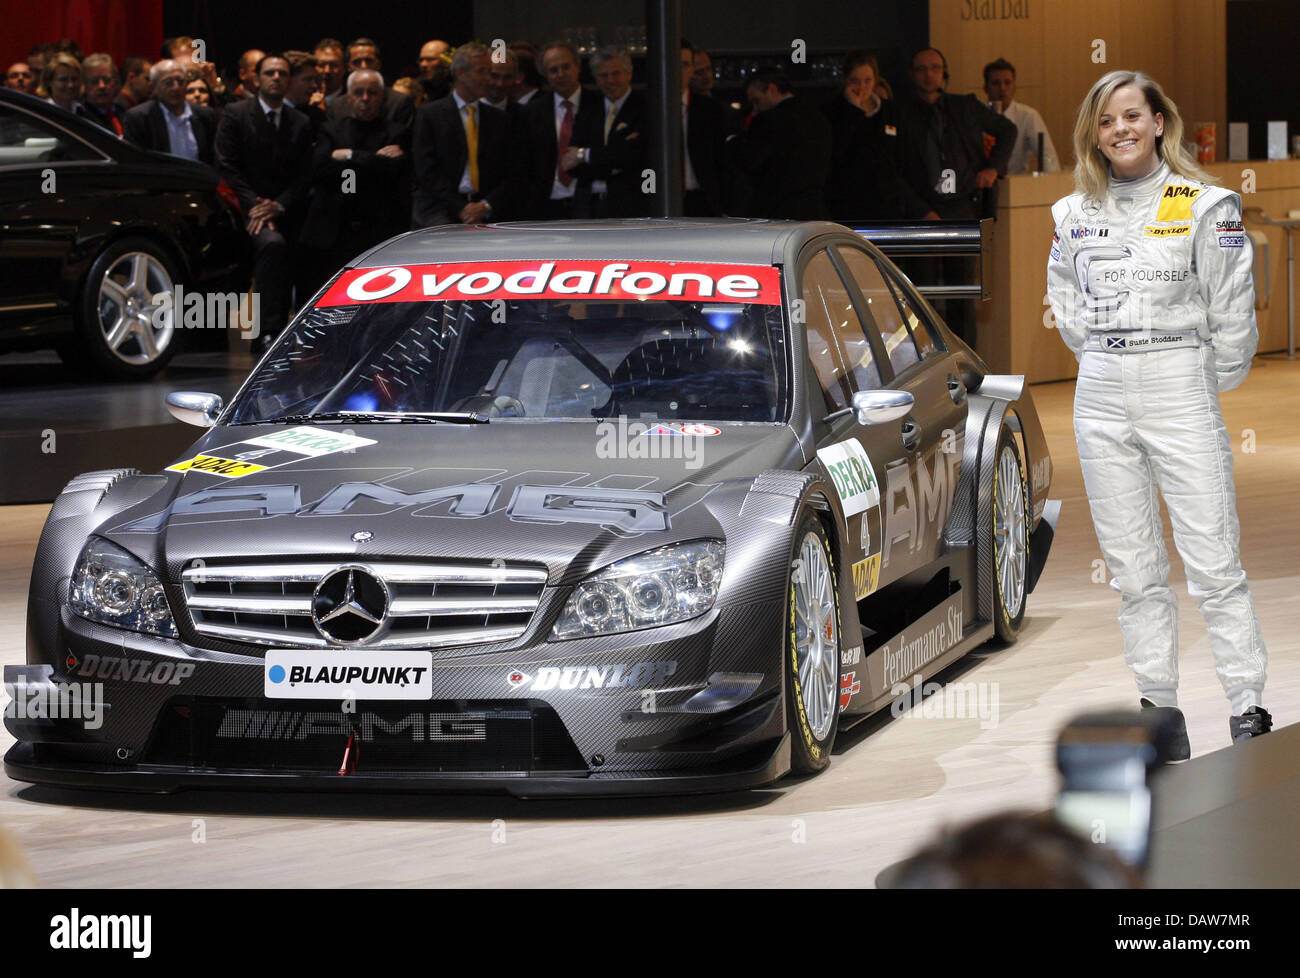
x=510, y=358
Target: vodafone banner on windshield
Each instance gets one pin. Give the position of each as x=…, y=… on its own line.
x=561, y=279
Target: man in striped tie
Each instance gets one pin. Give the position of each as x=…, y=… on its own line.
x=555, y=124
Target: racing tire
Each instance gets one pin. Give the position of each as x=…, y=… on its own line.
x=811, y=657
x=1009, y=538
x=120, y=334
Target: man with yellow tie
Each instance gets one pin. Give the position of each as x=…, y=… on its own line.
x=613, y=153
x=462, y=150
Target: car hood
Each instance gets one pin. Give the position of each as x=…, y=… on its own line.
x=570, y=495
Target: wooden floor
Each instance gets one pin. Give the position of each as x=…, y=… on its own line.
x=888, y=790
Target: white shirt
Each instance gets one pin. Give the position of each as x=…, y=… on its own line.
x=558, y=190
x=612, y=109
x=1028, y=125
x=279, y=113
x=180, y=134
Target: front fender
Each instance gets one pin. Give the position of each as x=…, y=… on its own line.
x=1003, y=400
x=85, y=503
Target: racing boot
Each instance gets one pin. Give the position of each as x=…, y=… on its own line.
x=1255, y=722
x=1180, y=748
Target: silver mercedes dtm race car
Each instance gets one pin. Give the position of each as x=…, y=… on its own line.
x=641, y=506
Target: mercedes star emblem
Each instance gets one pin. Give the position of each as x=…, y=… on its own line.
x=362, y=536
x=350, y=605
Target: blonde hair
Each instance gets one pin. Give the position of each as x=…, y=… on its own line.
x=62, y=60
x=1092, y=169
x=411, y=88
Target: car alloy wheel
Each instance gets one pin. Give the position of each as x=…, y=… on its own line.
x=1010, y=539
x=816, y=635
x=134, y=328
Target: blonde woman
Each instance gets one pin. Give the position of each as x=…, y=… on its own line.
x=61, y=78
x=1149, y=279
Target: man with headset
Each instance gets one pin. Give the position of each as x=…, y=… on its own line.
x=948, y=175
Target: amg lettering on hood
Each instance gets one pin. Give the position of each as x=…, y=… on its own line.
x=572, y=279
x=642, y=675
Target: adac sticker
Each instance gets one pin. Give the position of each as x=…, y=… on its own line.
x=561, y=279
x=866, y=576
x=215, y=465
x=1176, y=203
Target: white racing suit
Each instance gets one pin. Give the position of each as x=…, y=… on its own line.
x=1152, y=290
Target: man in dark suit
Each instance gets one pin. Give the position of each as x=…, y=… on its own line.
x=865, y=178
x=100, y=81
x=364, y=53
x=305, y=89
x=167, y=122
x=785, y=153
x=555, y=124
x=264, y=153
x=943, y=144
x=945, y=166
x=361, y=178
x=613, y=150
x=462, y=150
x=704, y=123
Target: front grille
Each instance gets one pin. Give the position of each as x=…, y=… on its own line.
x=309, y=737
x=433, y=605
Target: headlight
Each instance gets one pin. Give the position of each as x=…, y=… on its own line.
x=658, y=587
x=114, y=588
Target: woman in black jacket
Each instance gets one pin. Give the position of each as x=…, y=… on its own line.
x=864, y=181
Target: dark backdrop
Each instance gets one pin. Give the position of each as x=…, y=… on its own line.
x=400, y=26
x=1262, y=86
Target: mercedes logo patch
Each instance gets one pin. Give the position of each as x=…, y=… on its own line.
x=350, y=605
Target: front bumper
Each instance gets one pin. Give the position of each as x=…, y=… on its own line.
x=706, y=715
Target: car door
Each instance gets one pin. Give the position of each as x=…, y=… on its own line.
x=42, y=168
x=845, y=359
x=921, y=460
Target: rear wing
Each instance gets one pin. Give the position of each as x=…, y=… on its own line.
x=935, y=239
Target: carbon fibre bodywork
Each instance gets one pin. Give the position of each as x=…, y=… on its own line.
x=698, y=705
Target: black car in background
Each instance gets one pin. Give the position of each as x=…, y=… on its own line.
x=93, y=229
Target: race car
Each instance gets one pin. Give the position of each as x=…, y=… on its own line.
x=647, y=506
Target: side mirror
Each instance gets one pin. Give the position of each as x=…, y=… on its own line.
x=194, y=408
x=877, y=407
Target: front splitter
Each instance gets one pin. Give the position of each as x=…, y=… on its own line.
x=753, y=771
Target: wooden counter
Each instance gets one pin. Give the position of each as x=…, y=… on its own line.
x=1012, y=334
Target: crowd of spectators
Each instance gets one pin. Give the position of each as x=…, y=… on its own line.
x=328, y=155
